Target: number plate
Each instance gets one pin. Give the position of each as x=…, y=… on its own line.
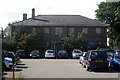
x=99, y=61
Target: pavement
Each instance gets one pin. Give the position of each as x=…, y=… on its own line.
x=56, y=68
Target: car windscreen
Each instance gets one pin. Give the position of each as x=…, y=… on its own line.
x=117, y=57
x=110, y=54
x=77, y=51
x=50, y=52
x=35, y=52
x=20, y=51
x=62, y=51
x=10, y=55
x=98, y=54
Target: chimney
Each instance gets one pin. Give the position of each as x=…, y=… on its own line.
x=33, y=13
x=24, y=16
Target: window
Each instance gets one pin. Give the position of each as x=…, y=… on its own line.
x=85, y=30
x=46, y=30
x=71, y=30
x=33, y=30
x=98, y=30
x=58, y=31
x=91, y=43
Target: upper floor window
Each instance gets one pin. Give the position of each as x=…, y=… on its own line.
x=46, y=30
x=58, y=31
x=98, y=31
x=71, y=30
x=85, y=30
x=34, y=30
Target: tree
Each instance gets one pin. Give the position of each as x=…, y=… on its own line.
x=30, y=42
x=109, y=12
x=7, y=32
x=18, y=31
x=73, y=41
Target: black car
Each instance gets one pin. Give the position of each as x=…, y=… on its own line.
x=20, y=53
x=62, y=54
x=35, y=54
x=96, y=59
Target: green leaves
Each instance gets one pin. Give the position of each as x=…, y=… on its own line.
x=29, y=41
x=109, y=12
x=73, y=41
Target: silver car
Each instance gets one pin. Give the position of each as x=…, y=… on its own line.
x=82, y=57
x=49, y=54
x=76, y=53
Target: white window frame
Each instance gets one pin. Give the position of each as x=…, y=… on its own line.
x=71, y=30
x=47, y=30
x=98, y=30
x=85, y=30
x=58, y=31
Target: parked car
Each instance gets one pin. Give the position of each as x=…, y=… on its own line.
x=20, y=53
x=117, y=52
x=8, y=64
x=62, y=54
x=49, y=54
x=35, y=54
x=96, y=59
x=114, y=62
x=11, y=54
x=76, y=53
x=82, y=58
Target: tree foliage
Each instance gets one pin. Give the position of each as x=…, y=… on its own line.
x=109, y=12
x=30, y=42
x=73, y=41
x=7, y=32
x=18, y=31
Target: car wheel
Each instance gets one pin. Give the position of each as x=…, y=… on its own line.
x=80, y=62
x=106, y=69
x=84, y=66
x=112, y=65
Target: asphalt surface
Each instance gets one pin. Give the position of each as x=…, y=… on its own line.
x=56, y=68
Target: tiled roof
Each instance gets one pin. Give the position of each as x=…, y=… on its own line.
x=61, y=20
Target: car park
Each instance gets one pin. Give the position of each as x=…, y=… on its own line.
x=96, y=59
x=35, y=54
x=49, y=54
x=114, y=62
x=62, y=54
x=82, y=58
x=76, y=53
x=20, y=53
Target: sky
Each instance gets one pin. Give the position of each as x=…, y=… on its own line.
x=12, y=10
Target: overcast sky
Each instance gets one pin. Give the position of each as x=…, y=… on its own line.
x=12, y=10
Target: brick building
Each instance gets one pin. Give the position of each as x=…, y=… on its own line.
x=55, y=27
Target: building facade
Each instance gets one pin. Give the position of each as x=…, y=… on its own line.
x=55, y=27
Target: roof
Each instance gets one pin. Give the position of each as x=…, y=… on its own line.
x=60, y=20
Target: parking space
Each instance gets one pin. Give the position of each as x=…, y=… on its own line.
x=56, y=68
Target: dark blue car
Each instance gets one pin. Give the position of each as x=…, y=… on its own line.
x=114, y=62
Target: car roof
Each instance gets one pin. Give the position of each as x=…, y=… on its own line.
x=49, y=50
x=20, y=50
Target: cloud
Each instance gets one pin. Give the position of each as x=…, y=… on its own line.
x=12, y=10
